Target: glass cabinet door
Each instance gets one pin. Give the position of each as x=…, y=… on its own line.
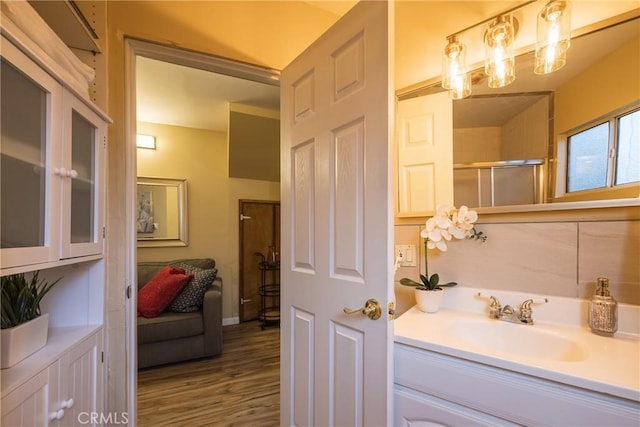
x=83, y=134
x=29, y=224
x=83, y=185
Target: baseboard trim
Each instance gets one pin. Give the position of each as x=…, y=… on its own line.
x=230, y=321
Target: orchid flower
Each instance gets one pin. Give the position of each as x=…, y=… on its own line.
x=448, y=223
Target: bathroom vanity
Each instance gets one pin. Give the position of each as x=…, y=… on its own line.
x=460, y=367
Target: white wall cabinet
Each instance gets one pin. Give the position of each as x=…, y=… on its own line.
x=52, y=145
x=64, y=392
x=52, y=168
x=436, y=389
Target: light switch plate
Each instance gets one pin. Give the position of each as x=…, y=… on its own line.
x=406, y=255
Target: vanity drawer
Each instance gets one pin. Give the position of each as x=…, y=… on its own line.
x=412, y=408
x=508, y=395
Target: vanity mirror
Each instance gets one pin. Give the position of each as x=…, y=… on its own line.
x=510, y=144
x=161, y=212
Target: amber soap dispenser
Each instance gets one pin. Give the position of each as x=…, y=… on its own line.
x=603, y=310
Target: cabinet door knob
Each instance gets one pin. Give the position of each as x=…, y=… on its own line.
x=57, y=415
x=67, y=173
x=65, y=404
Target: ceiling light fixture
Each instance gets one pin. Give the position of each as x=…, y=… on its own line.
x=498, y=40
x=554, y=36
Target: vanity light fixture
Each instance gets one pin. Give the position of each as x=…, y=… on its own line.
x=554, y=36
x=553, y=39
x=455, y=77
x=146, y=141
x=498, y=40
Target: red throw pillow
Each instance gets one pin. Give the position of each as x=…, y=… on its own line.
x=158, y=293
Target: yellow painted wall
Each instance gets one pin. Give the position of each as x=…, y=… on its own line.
x=200, y=157
x=574, y=100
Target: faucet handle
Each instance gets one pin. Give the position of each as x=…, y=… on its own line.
x=525, y=311
x=495, y=309
x=526, y=305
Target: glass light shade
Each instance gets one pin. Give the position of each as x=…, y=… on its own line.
x=554, y=36
x=499, y=62
x=454, y=70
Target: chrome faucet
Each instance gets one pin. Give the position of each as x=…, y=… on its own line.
x=521, y=316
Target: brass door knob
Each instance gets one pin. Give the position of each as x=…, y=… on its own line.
x=371, y=308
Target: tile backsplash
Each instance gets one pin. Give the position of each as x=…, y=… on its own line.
x=552, y=258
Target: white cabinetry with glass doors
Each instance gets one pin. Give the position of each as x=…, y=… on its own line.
x=52, y=147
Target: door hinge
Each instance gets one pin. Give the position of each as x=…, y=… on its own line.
x=102, y=357
x=104, y=142
x=243, y=217
x=104, y=232
x=128, y=292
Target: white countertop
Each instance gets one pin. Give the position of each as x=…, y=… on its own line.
x=608, y=365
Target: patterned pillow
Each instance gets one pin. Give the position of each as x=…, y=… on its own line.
x=163, y=287
x=192, y=296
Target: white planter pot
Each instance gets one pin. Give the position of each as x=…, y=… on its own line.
x=429, y=301
x=21, y=341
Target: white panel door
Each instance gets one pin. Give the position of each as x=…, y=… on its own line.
x=425, y=154
x=337, y=217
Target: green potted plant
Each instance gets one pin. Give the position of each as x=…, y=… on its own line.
x=23, y=327
x=448, y=223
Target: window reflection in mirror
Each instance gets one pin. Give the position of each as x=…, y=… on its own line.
x=161, y=212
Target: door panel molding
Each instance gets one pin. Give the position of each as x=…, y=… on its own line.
x=303, y=327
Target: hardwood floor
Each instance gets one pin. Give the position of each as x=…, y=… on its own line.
x=241, y=387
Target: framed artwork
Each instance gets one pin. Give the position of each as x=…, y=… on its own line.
x=145, y=211
x=161, y=219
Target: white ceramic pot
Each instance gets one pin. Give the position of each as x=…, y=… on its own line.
x=21, y=341
x=429, y=301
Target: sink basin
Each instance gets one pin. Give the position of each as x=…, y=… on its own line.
x=523, y=340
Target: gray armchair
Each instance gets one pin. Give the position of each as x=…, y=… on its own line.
x=175, y=337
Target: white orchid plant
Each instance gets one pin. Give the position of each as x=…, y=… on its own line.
x=448, y=223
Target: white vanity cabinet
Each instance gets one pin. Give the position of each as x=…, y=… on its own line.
x=52, y=166
x=437, y=389
x=65, y=392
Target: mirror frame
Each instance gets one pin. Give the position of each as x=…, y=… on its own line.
x=183, y=235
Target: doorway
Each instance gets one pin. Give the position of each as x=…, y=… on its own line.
x=259, y=242
x=136, y=49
